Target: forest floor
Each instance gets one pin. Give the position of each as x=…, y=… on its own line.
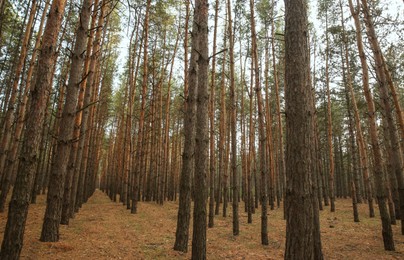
x=106, y=230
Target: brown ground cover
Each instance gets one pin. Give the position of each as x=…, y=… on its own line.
x=106, y=230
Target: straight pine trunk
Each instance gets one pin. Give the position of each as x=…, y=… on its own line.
x=201, y=131
x=261, y=130
x=302, y=227
x=233, y=124
x=184, y=209
x=212, y=164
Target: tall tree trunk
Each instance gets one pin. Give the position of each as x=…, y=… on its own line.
x=317, y=157
x=251, y=151
x=244, y=160
x=269, y=139
x=300, y=210
x=202, y=133
x=18, y=208
x=212, y=158
x=397, y=164
x=329, y=122
x=233, y=123
x=353, y=171
x=168, y=160
x=132, y=82
x=278, y=103
x=140, y=147
x=346, y=75
x=222, y=132
x=261, y=130
x=184, y=209
x=226, y=159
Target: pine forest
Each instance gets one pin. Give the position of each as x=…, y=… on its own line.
x=201, y=129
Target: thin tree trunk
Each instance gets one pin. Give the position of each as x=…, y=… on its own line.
x=317, y=157
x=261, y=130
x=269, y=139
x=140, y=146
x=278, y=103
x=226, y=159
x=222, y=132
x=212, y=158
x=184, y=209
x=167, y=123
x=329, y=124
x=251, y=150
x=233, y=124
x=130, y=113
x=353, y=155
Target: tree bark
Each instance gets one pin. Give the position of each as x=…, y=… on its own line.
x=222, y=132
x=329, y=123
x=184, y=209
x=300, y=210
x=202, y=133
x=278, y=104
x=212, y=158
x=233, y=124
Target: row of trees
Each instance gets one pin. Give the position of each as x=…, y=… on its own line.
x=58, y=64
x=269, y=115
